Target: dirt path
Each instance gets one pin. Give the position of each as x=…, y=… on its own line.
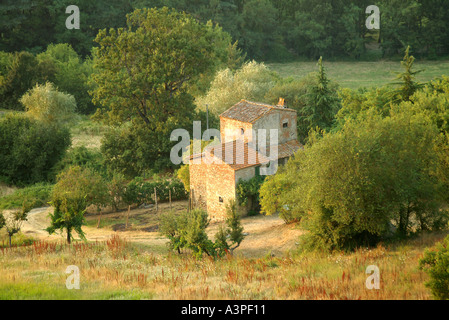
x=264, y=234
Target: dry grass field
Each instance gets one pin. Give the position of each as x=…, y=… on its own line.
x=134, y=263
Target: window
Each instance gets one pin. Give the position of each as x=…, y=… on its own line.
x=285, y=124
x=257, y=171
x=242, y=131
x=220, y=199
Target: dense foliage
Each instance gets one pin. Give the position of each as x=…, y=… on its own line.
x=436, y=263
x=188, y=231
x=265, y=29
x=76, y=189
x=29, y=150
x=247, y=192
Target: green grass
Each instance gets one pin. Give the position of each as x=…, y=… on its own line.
x=355, y=75
x=43, y=289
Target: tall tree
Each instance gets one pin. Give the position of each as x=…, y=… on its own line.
x=322, y=102
x=144, y=72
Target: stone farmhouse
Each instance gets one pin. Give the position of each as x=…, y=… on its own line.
x=215, y=173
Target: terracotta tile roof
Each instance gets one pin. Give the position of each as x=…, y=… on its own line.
x=286, y=149
x=247, y=111
x=239, y=155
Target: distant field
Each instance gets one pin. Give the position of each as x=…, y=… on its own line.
x=362, y=74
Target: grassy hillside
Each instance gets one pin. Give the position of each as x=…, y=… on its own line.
x=362, y=74
x=117, y=269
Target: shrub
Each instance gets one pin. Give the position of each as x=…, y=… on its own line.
x=348, y=186
x=83, y=157
x=183, y=174
x=139, y=191
x=436, y=263
x=248, y=193
x=23, y=72
x=274, y=198
x=39, y=194
x=47, y=104
x=29, y=150
x=188, y=231
x=229, y=238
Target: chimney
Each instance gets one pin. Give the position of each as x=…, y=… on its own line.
x=281, y=103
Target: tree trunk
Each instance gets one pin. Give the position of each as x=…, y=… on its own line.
x=69, y=241
x=155, y=198
x=99, y=219
x=10, y=236
x=127, y=217
x=169, y=198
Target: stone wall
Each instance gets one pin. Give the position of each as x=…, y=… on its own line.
x=220, y=184
x=234, y=126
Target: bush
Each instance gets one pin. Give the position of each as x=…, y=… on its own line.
x=274, y=198
x=23, y=72
x=436, y=263
x=248, y=193
x=183, y=174
x=29, y=150
x=39, y=194
x=83, y=157
x=188, y=231
x=139, y=191
x=47, y=104
x=348, y=186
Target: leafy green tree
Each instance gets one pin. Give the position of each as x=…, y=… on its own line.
x=188, y=231
x=252, y=82
x=116, y=189
x=75, y=190
x=2, y=220
x=83, y=157
x=356, y=102
x=178, y=51
x=274, y=194
x=24, y=73
x=30, y=150
x=14, y=221
x=258, y=37
x=95, y=16
x=420, y=24
x=22, y=26
x=72, y=74
x=47, y=105
x=347, y=186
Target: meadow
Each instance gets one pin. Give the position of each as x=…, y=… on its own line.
x=356, y=75
x=118, y=269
